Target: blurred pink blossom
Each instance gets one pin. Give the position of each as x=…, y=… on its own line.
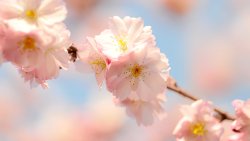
x=19, y=47
x=47, y=49
x=163, y=129
x=81, y=6
x=213, y=66
x=198, y=123
x=242, y=123
x=30, y=39
x=38, y=12
x=179, y=6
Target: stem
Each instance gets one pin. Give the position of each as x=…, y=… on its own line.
x=172, y=85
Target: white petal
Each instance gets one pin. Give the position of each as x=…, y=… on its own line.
x=123, y=89
x=52, y=11
x=117, y=25
x=10, y=10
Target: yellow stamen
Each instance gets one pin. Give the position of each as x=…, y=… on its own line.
x=122, y=43
x=136, y=70
x=31, y=15
x=28, y=43
x=98, y=63
x=198, y=129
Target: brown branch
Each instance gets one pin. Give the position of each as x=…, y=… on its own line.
x=172, y=85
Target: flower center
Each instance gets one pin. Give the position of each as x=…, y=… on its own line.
x=28, y=43
x=31, y=15
x=198, y=129
x=98, y=65
x=136, y=70
x=122, y=43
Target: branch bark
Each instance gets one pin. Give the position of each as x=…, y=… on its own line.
x=172, y=85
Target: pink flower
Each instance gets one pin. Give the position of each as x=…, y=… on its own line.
x=39, y=54
x=198, y=123
x=23, y=48
x=93, y=60
x=141, y=74
x=242, y=123
x=123, y=36
x=40, y=12
x=145, y=112
x=55, y=56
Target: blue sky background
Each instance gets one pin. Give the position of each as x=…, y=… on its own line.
x=174, y=34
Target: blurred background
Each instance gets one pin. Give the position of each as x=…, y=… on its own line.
x=208, y=46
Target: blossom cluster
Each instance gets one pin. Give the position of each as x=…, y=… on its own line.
x=126, y=57
x=199, y=123
x=29, y=38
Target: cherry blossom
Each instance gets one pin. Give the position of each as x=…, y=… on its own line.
x=124, y=35
x=30, y=38
x=141, y=74
x=241, y=125
x=198, y=123
x=19, y=47
x=38, y=12
x=145, y=112
x=39, y=54
x=54, y=56
x=93, y=60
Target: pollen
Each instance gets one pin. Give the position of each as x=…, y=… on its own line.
x=98, y=65
x=122, y=43
x=31, y=15
x=136, y=70
x=198, y=129
x=28, y=43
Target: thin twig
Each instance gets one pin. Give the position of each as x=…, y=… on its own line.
x=172, y=85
